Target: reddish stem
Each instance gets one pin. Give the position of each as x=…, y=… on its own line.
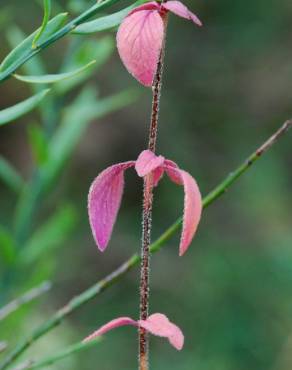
x=147, y=216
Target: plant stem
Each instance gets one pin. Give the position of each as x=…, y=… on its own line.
x=115, y=276
x=48, y=361
x=145, y=262
x=3, y=346
x=147, y=214
x=24, y=299
x=155, y=104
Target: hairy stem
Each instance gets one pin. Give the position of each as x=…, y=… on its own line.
x=145, y=262
x=93, y=291
x=147, y=215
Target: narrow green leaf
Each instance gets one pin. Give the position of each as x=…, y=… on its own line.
x=104, y=23
x=75, y=348
x=52, y=234
x=47, y=13
x=76, y=120
x=10, y=176
x=39, y=144
x=7, y=247
x=16, y=36
x=18, y=110
x=99, y=50
x=34, y=66
x=58, y=7
x=25, y=47
x=53, y=78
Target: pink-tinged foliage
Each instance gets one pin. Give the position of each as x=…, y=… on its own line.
x=107, y=189
x=139, y=42
x=181, y=10
x=113, y=324
x=148, y=162
x=159, y=325
x=192, y=205
x=152, y=5
x=156, y=324
x=140, y=37
x=104, y=201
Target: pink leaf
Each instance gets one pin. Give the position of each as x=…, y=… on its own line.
x=139, y=41
x=192, y=210
x=181, y=10
x=104, y=201
x=158, y=324
x=174, y=175
x=148, y=162
x=152, y=5
x=157, y=175
x=121, y=321
x=192, y=205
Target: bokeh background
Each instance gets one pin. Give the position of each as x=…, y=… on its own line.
x=227, y=87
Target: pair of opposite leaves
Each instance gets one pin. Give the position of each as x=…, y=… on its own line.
x=140, y=41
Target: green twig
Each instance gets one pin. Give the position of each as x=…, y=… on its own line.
x=75, y=348
x=3, y=346
x=99, y=287
x=24, y=299
x=96, y=8
x=47, y=13
x=10, y=176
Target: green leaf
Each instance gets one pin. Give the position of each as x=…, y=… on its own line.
x=34, y=66
x=7, y=247
x=69, y=351
x=16, y=36
x=10, y=176
x=25, y=47
x=58, y=7
x=18, y=110
x=104, y=23
x=76, y=120
x=100, y=50
x=53, y=78
x=47, y=13
x=51, y=235
x=38, y=143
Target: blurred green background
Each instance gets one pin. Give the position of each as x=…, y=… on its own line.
x=227, y=87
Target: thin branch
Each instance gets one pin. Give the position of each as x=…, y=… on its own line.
x=147, y=213
x=115, y=276
x=24, y=299
x=3, y=346
x=50, y=360
x=223, y=187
